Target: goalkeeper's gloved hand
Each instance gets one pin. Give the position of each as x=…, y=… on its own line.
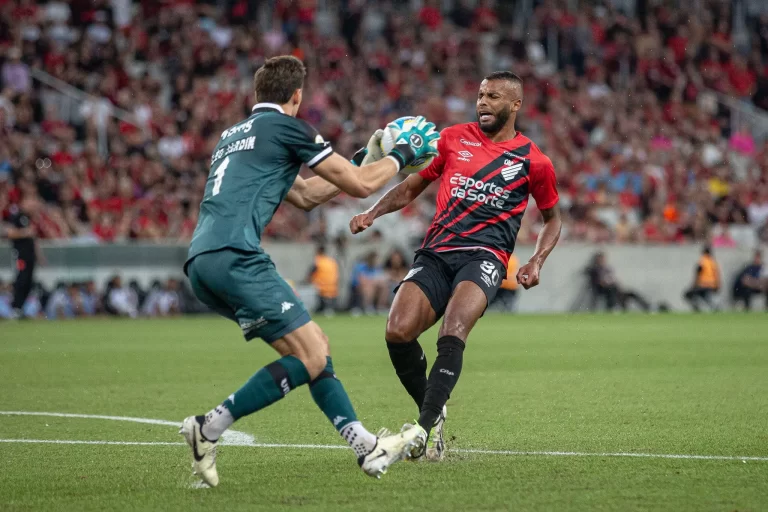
x=370, y=153
x=417, y=143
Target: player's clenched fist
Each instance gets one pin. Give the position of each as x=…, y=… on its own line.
x=528, y=275
x=361, y=222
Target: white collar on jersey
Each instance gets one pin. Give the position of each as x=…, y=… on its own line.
x=269, y=105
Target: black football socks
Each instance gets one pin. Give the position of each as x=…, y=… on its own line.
x=410, y=364
x=442, y=379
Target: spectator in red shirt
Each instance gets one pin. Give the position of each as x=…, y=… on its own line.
x=430, y=15
x=742, y=79
x=679, y=43
x=485, y=19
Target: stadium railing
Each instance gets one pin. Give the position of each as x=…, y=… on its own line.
x=745, y=116
x=68, y=102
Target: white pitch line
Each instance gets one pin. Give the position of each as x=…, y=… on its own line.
x=163, y=443
x=236, y=438
x=116, y=443
x=230, y=437
x=617, y=454
x=457, y=450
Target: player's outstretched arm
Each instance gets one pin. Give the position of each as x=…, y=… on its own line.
x=528, y=275
x=395, y=199
x=356, y=182
x=310, y=193
x=417, y=142
x=420, y=141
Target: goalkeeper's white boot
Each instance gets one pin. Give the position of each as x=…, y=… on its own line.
x=203, y=450
x=392, y=448
x=436, y=443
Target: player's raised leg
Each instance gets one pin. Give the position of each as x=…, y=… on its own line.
x=411, y=314
x=305, y=360
x=464, y=309
x=266, y=307
x=374, y=455
x=268, y=385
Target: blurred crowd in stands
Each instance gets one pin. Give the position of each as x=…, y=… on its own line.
x=627, y=107
x=83, y=299
x=371, y=286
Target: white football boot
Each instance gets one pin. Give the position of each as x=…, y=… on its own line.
x=203, y=450
x=436, y=443
x=392, y=448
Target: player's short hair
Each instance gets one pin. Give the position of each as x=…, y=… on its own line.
x=278, y=79
x=505, y=75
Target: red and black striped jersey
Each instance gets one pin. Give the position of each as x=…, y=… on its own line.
x=484, y=188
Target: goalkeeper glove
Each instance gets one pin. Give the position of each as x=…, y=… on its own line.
x=370, y=153
x=417, y=143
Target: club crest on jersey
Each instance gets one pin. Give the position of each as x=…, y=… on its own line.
x=511, y=169
x=465, y=155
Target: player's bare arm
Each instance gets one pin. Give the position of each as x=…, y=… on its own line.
x=528, y=275
x=356, y=182
x=417, y=142
x=310, y=193
x=395, y=199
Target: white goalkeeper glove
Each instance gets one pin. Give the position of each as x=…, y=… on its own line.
x=371, y=152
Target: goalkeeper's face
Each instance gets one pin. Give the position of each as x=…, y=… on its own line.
x=497, y=101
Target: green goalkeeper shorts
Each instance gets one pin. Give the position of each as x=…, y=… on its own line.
x=245, y=287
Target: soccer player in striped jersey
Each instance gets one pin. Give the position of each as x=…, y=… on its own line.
x=486, y=172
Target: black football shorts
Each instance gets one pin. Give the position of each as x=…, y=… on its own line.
x=439, y=273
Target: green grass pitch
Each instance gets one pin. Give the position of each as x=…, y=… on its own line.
x=676, y=385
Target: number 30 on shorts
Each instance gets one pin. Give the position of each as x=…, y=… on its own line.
x=490, y=275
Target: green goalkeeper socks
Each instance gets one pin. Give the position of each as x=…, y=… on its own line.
x=332, y=399
x=267, y=386
x=273, y=382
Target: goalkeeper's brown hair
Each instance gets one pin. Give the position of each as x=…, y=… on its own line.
x=278, y=79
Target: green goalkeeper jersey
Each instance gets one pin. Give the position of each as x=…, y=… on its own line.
x=253, y=167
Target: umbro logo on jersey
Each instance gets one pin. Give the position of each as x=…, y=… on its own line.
x=465, y=155
x=510, y=170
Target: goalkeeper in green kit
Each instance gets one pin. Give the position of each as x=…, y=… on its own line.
x=254, y=168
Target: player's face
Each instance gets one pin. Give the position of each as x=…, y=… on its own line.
x=496, y=100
